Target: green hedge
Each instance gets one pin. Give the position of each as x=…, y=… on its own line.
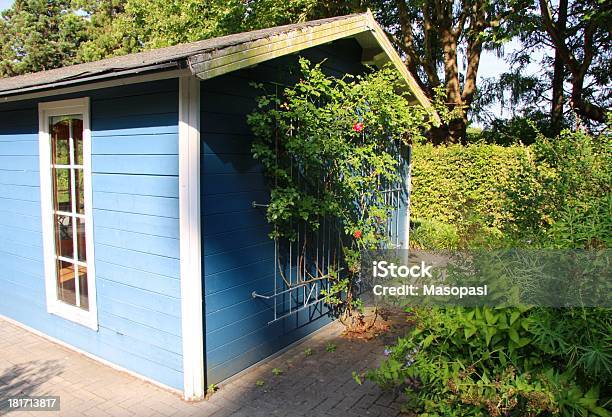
x=463, y=187
x=555, y=192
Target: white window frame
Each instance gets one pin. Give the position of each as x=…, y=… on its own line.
x=54, y=304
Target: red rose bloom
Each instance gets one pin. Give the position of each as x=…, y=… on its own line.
x=357, y=234
x=358, y=127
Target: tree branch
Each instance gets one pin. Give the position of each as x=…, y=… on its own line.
x=557, y=39
x=465, y=10
x=429, y=61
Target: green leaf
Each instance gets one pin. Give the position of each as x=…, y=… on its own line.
x=427, y=341
x=514, y=336
x=490, y=316
x=514, y=316
x=469, y=332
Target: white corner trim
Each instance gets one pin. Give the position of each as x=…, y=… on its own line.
x=190, y=238
x=54, y=306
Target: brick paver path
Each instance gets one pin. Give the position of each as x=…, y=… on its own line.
x=318, y=385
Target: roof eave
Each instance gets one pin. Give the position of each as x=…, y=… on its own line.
x=169, y=69
x=218, y=62
x=222, y=61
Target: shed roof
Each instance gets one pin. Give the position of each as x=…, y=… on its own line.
x=212, y=57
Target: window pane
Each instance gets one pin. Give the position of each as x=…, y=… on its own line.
x=83, y=290
x=61, y=189
x=63, y=237
x=77, y=135
x=81, y=241
x=66, y=290
x=60, y=137
x=78, y=192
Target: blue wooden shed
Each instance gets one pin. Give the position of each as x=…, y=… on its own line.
x=127, y=225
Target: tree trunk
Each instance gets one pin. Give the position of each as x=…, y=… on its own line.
x=457, y=129
x=556, y=111
x=578, y=69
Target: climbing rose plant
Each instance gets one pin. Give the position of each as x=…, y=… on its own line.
x=330, y=147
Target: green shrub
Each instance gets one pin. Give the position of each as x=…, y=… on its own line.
x=561, y=195
x=433, y=234
x=503, y=362
x=483, y=362
x=463, y=186
x=553, y=193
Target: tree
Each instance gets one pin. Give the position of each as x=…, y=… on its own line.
x=434, y=34
x=575, y=68
x=128, y=26
x=583, y=48
x=266, y=13
x=104, y=38
x=37, y=35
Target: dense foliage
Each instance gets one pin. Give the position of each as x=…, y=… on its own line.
x=513, y=361
x=36, y=35
x=504, y=362
x=553, y=193
x=330, y=148
x=458, y=191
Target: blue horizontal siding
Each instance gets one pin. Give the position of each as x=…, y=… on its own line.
x=9, y=145
x=150, y=185
x=232, y=221
x=19, y=163
x=226, y=241
x=136, y=164
x=21, y=192
x=143, y=261
x=224, y=183
x=155, y=319
x=219, y=164
x=141, y=242
x=21, y=235
x=137, y=222
x=8, y=218
x=20, y=177
x=235, y=276
x=136, y=228
x=10, y=204
x=235, y=201
x=137, y=204
x=158, y=124
x=226, y=144
x=239, y=255
x=151, y=144
x=17, y=262
x=230, y=359
x=148, y=281
x=220, y=262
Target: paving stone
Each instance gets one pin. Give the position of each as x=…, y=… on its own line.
x=320, y=385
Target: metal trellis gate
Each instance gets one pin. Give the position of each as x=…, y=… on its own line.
x=303, y=266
